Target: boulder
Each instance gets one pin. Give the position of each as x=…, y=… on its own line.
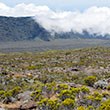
x=24, y=96
x=28, y=105
x=101, y=84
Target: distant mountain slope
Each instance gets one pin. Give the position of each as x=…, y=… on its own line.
x=25, y=28
x=21, y=28
x=84, y=35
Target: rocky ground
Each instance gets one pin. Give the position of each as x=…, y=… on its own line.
x=76, y=79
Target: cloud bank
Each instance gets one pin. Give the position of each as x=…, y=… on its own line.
x=95, y=20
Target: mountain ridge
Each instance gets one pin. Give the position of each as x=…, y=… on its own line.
x=20, y=28
x=26, y=28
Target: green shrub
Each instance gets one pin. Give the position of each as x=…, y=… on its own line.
x=1, y=93
x=105, y=105
x=37, y=95
x=75, y=77
x=47, y=104
x=16, y=91
x=90, y=80
x=108, y=87
x=85, y=89
x=66, y=94
x=81, y=108
x=76, y=91
x=63, y=86
x=90, y=108
x=105, y=94
x=68, y=103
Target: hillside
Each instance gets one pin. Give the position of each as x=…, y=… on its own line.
x=25, y=28
x=21, y=28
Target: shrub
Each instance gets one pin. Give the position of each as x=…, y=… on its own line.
x=76, y=91
x=6, y=97
x=1, y=93
x=16, y=91
x=51, y=104
x=58, y=106
x=37, y=95
x=108, y=87
x=85, y=89
x=90, y=80
x=81, y=108
x=90, y=108
x=63, y=86
x=105, y=94
x=95, y=96
x=68, y=103
x=66, y=94
x=105, y=105
x=46, y=104
x=75, y=77
x=94, y=99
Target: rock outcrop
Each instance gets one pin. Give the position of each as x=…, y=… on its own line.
x=101, y=84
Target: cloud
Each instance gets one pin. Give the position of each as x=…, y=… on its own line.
x=94, y=20
x=22, y=10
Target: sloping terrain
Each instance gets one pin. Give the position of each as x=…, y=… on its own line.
x=21, y=28
x=77, y=79
x=26, y=29
x=40, y=45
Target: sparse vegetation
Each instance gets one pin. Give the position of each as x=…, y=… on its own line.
x=57, y=79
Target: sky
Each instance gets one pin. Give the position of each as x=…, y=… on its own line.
x=65, y=5
x=63, y=15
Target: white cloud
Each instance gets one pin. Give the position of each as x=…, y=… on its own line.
x=94, y=19
x=22, y=10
